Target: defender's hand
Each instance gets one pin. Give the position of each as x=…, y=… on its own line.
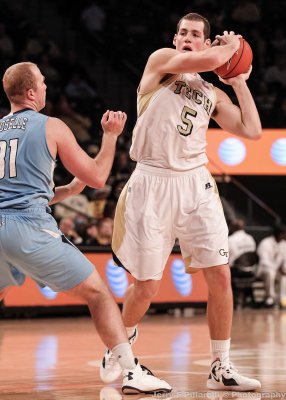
x=113, y=122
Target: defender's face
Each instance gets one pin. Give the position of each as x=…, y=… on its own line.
x=40, y=92
x=191, y=36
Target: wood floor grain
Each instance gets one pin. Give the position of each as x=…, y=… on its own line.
x=57, y=359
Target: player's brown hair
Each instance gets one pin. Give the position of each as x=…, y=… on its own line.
x=197, y=17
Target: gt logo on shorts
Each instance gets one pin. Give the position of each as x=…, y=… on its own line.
x=222, y=252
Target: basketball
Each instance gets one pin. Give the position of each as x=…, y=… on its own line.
x=238, y=64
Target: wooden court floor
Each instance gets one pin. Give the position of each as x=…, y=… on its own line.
x=55, y=359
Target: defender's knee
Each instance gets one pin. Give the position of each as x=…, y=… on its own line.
x=90, y=288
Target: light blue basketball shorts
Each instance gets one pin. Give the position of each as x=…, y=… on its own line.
x=32, y=245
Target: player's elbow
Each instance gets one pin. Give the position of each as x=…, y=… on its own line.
x=100, y=184
x=256, y=134
x=96, y=183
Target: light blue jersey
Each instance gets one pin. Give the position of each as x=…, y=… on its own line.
x=30, y=242
x=26, y=165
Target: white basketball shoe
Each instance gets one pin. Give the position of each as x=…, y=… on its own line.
x=141, y=380
x=224, y=376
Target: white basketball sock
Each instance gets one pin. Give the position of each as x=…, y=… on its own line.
x=130, y=330
x=220, y=349
x=124, y=355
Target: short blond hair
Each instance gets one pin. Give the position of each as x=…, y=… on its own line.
x=17, y=79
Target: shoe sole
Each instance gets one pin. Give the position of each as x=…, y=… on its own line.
x=233, y=388
x=133, y=390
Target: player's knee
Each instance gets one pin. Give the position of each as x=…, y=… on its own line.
x=218, y=280
x=146, y=290
x=90, y=287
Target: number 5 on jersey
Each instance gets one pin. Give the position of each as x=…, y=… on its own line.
x=186, y=113
x=13, y=144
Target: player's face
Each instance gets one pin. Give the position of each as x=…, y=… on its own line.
x=191, y=36
x=40, y=92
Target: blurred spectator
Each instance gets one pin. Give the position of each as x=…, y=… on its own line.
x=276, y=73
x=98, y=200
x=91, y=235
x=50, y=47
x=72, y=206
x=81, y=223
x=6, y=43
x=67, y=227
x=34, y=48
x=79, y=124
x=259, y=48
x=246, y=11
x=122, y=165
x=265, y=100
x=104, y=231
x=278, y=41
x=272, y=264
x=70, y=64
x=78, y=88
x=38, y=43
x=100, y=233
x=239, y=241
x=93, y=17
x=48, y=70
x=109, y=209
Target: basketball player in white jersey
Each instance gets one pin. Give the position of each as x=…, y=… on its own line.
x=172, y=195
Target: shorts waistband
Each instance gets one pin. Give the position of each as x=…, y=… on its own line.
x=23, y=211
x=166, y=171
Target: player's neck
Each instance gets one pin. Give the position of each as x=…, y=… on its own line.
x=15, y=107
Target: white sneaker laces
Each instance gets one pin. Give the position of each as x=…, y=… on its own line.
x=227, y=367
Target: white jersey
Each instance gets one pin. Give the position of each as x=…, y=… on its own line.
x=172, y=122
x=272, y=254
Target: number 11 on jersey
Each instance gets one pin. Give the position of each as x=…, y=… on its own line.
x=13, y=144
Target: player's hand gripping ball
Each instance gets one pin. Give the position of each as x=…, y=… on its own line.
x=238, y=64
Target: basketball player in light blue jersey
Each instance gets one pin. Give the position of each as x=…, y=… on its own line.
x=30, y=241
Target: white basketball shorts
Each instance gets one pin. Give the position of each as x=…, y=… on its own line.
x=157, y=206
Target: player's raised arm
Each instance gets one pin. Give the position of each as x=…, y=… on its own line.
x=93, y=172
x=243, y=120
x=193, y=53
x=184, y=59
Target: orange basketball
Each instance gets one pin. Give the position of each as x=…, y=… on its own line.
x=238, y=64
